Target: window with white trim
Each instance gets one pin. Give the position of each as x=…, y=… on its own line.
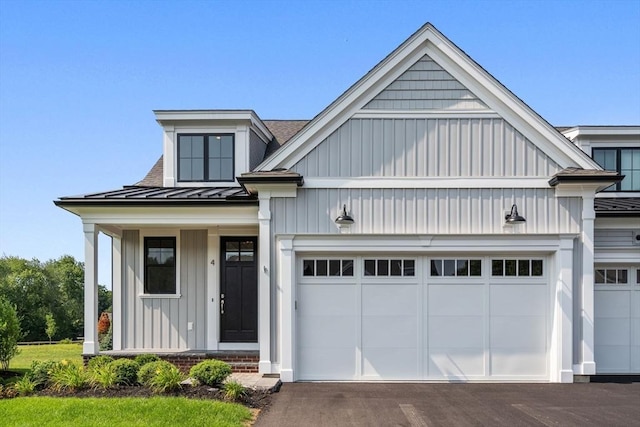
x=327, y=267
x=611, y=276
x=456, y=267
x=205, y=157
x=517, y=267
x=390, y=267
x=626, y=161
x=159, y=265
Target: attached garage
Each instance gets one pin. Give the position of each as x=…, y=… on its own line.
x=455, y=317
x=617, y=319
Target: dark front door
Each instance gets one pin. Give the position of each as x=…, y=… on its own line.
x=239, y=290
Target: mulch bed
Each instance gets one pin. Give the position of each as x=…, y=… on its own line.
x=257, y=399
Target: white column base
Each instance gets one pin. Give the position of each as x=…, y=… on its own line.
x=585, y=368
x=286, y=375
x=264, y=367
x=566, y=376
x=90, y=347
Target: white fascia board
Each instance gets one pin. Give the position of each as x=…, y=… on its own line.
x=159, y=216
x=429, y=41
x=619, y=223
x=578, y=189
x=605, y=131
x=427, y=182
x=507, y=105
x=376, y=243
x=164, y=117
x=272, y=189
x=614, y=195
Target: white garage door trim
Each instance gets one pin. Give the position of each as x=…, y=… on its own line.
x=364, y=307
x=617, y=318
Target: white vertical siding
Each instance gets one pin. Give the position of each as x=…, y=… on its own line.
x=161, y=323
x=429, y=211
x=426, y=148
x=257, y=147
x=426, y=86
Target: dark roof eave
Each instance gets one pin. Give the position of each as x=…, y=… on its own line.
x=249, y=201
x=559, y=179
x=617, y=214
x=298, y=180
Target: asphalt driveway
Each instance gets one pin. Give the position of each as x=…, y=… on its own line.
x=365, y=404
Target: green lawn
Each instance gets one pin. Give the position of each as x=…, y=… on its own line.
x=155, y=411
x=29, y=353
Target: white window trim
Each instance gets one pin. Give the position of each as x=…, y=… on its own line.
x=159, y=233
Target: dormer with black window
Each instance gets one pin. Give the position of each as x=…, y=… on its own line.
x=210, y=147
x=615, y=148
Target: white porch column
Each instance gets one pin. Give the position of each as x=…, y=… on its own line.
x=287, y=288
x=116, y=287
x=562, y=346
x=587, y=365
x=90, y=345
x=264, y=282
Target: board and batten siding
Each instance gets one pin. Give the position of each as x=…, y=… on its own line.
x=461, y=147
x=426, y=86
x=429, y=211
x=161, y=323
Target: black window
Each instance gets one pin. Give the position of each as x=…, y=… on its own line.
x=159, y=265
x=205, y=157
x=626, y=161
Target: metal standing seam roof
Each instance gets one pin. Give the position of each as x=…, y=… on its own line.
x=617, y=206
x=131, y=195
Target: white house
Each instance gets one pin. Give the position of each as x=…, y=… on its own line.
x=427, y=225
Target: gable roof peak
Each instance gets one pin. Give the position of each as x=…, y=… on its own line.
x=429, y=41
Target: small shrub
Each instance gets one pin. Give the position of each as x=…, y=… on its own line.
x=143, y=359
x=7, y=392
x=104, y=376
x=106, y=343
x=234, y=391
x=40, y=373
x=51, y=327
x=104, y=323
x=148, y=371
x=99, y=361
x=9, y=333
x=167, y=378
x=66, y=341
x=126, y=371
x=210, y=372
x=68, y=376
x=24, y=386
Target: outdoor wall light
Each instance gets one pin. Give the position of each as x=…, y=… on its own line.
x=514, y=217
x=344, y=218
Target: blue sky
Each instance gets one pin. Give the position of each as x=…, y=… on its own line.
x=79, y=79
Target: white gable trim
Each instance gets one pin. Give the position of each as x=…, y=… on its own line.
x=428, y=41
x=428, y=182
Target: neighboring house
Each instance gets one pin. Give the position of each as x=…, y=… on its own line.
x=236, y=240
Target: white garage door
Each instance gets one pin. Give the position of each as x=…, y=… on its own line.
x=422, y=318
x=617, y=319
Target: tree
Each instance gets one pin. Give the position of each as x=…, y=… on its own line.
x=9, y=332
x=51, y=326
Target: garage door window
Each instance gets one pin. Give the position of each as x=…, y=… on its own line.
x=456, y=267
x=389, y=267
x=516, y=267
x=611, y=276
x=327, y=267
